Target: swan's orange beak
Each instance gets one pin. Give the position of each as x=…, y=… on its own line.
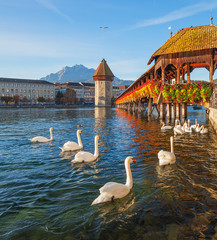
x=134, y=160
x=81, y=132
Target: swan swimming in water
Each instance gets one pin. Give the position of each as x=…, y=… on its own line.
x=203, y=129
x=113, y=190
x=40, y=139
x=178, y=128
x=164, y=127
x=166, y=157
x=195, y=125
x=83, y=156
x=73, y=146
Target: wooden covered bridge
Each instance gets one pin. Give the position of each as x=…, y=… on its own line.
x=167, y=84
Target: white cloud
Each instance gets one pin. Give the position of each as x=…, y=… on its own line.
x=47, y=4
x=178, y=14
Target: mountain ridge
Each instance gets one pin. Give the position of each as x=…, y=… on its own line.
x=79, y=73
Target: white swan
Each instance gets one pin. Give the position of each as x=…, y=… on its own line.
x=195, y=125
x=113, y=190
x=73, y=146
x=197, y=129
x=164, y=127
x=188, y=127
x=203, y=129
x=165, y=157
x=87, y=156
x=178, y=128
x=41, y=139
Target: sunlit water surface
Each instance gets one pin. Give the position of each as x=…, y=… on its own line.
x=44, y=196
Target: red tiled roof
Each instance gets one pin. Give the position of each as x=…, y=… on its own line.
x=189, y=39
x=103, y=70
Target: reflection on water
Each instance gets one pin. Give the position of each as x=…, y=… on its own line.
x=44, y=196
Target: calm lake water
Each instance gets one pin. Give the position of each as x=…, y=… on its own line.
x=44, y=196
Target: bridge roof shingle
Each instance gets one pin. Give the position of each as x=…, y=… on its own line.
x=189, y=39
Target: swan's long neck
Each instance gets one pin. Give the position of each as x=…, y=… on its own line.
x=79, y=139
x=129, y=181
x=51, y=134
x=172, y=145
x=96, y=152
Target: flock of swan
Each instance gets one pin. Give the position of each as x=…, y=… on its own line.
x=113, y=190
x=110, y=190
x=186, y=127
x=166, y=157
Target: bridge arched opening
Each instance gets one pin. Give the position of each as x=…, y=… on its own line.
x=170, y=73
x=200, y=74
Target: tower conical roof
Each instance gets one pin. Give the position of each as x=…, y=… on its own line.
x=103, y=70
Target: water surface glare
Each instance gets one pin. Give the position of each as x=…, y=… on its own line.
x=44, y=196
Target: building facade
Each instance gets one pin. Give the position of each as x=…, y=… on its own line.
x=85, y=92
x=30, y=90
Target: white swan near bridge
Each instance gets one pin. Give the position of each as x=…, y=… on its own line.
x=166, y=157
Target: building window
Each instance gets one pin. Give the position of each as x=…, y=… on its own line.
x=3, y=89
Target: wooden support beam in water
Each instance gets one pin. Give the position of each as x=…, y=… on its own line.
x=178, y=111
x=184, y=111
x=149, y=106
x=162, y=111
x=168, y=111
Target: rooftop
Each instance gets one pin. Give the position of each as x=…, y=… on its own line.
x=17, y=80
x=189, y=39
x=103, y=70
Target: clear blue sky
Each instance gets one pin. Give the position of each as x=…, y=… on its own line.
x=39, y=37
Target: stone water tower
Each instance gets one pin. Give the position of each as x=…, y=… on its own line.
x=103, y=78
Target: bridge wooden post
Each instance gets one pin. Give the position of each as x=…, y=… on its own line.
x=162, y=111
x=184, y=111
x=178, y=111
x=168, y=111
x=128, y=106
x=139, y=106
x=188, y=73
x=173, y=110
x=149, y=106
x=142, y=106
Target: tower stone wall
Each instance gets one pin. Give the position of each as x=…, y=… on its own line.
x=103, y=78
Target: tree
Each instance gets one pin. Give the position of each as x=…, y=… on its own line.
x=70, y=96
x=6, y=99
x=24, y=100
x=58, y=97
x=16, y=99
x=41, y=99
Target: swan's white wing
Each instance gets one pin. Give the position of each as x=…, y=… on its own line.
x=84, y=157
x=39, y=139
x=115, y=189
x=166, y=157
x=70, y=145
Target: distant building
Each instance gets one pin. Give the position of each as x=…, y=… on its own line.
x=115, y=91
x=122, y=88
x=89, y=92
x=103, y=78
x=30, y=90
x=85, y=92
